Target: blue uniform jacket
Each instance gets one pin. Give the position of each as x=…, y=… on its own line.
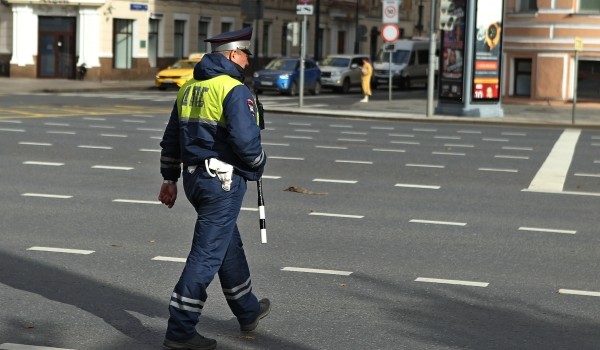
x=234, y=139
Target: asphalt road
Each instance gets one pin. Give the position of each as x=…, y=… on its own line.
x=424, y=236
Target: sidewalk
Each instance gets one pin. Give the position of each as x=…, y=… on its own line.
x=516, y=111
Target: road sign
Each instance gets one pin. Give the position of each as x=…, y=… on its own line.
x=390, y=32
x=304, y=9
x=390, y=11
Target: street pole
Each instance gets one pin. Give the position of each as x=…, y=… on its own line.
x=575, y=74
x=317, y=38
x=432, y=57
x=356, y=34
x=302, y=56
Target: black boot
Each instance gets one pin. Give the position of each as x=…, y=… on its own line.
x=265, y=308
x=198, y=342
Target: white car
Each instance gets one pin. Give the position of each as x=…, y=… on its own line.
x=341, y=72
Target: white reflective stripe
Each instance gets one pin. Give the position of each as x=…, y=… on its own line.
x=237, y=296
x=184, y=307
x=188, y=300
x=235, y=289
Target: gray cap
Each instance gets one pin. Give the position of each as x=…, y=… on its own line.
x=236, y=40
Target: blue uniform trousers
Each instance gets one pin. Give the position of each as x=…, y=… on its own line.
x=216, y=248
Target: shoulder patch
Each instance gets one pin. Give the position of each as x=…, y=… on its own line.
x=251, y=106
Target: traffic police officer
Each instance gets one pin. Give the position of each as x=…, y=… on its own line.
x=214, y=132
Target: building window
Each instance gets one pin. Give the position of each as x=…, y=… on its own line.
x=266, y=41
x=226, y=27
x=523, y=77
x=123, y=43
x=202, y=35
x=153, y=41
x=178, y=38
x=589, y=5
x=527, y=5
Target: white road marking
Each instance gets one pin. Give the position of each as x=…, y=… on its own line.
x=517, y=148
x=425, y=165
x=382, y=127
x=12, y=130
x=35, y=143
x=12, y=346
x=587, y=175
x=552, y=174
x=353, y=161
x=336, y=215
x=353, y=133
x=454, y=282
x=18, y=121
x=548, y=230
x=492, y=139
x=458, y=145
x=597, y=162
x=61, y=132
x=94, y=147
x=45, y=195
x=352, y=140
x=448, y=153
x=424, y=130
x=327, y=272
x=595, y=194
x=331, y=147
x=595, y=144
x=144, y=115
x=299, y=124
x=298, y=137
x=441, y=137
x=30, y=162
x=56, y=124
x=150, y=129
x=510, y=157
x=340, y=126
x=286, y=158
x=579, y=292
x=94, y=119
x=168, y=258
x=135, y=201
x=110, y=167
x=102, y=126
x=336, y=181
x=499, y=170
x=133, y=121
x=249, y=209
x=435, y=222
x=62, y=250
x=388, y=150
x=272, y=177
x=307, y=130
x=405, y=142
x=418, y=186
x=149, y=150
x=469, y=132
x=401, y=135
x=113, y=135
x=275, y=144
x=509, y=133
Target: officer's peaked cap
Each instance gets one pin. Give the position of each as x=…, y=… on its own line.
x=236, y=40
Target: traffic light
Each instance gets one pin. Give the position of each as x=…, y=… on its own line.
x=447, y=18
x=293, y=33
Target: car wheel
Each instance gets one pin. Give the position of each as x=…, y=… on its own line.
x=317, y=89
x=405, y=83
x=293, y=89
x=162, y=88
x=346, y=86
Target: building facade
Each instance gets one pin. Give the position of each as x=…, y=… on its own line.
x=118, y=39
x=540, y=39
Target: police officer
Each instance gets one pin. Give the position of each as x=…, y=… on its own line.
x=213, y=131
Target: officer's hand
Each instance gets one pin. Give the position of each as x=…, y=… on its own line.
x=168, y=194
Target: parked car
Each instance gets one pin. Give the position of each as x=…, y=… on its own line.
x=341, y=72
x=283, y=75
x=410, y=63
x=178, y=73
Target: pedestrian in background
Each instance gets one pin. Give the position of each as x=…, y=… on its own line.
x=214, y=132
x=366, y=71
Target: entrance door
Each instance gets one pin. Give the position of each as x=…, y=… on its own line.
x=56, y=50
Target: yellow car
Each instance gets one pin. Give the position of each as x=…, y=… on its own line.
x=178, y=73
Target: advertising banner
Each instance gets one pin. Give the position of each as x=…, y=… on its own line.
x=452, y=49
x=488, y=50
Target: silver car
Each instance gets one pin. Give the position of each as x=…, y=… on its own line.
x=341, y=72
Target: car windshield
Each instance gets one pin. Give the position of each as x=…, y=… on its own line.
x=335, y=62
x=398, y=56
x=184, y=64
x=287, y=65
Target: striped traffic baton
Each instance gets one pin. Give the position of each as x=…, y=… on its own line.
x=261, y=212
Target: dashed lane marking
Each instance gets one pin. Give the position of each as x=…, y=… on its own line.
x=285, y=158
x=435, y=222
x=110, y=167
x=587, y=175
x=352, y=140
x=316, y=213
x=510, y=157
x=169, y=258
x=353, y=161
x=31, y=162
x=425, y=165
x=135, y=201
x=275, y=144
x=493, y=139
x=12, y=130
x=336, y=181
x=499, y=170
x=547, y=230
x=298, y=137
x=46, y=195
x=430, y=187
x=454, y=282
x=34, y=143
x=405, y=142
x=511, y=148
x=331, y=147
x=448, y=153
x=389, y=150
x=12, y=346
x=327, y=272
x=94, y=147
x=458, y=145
x=61, y=250
x=579, y=292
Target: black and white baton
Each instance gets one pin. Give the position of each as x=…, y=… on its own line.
x=261, y=212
